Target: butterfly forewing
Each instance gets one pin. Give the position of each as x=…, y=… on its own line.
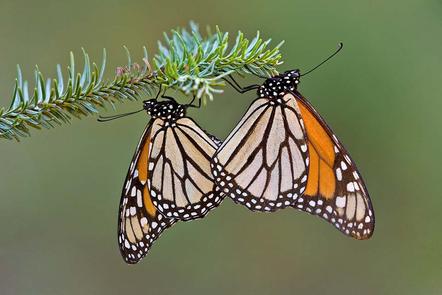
x=263, y=163
x=335, y=190
x=180, y=179
x=140, y=223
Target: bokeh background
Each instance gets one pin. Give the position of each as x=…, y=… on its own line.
x=60, y=188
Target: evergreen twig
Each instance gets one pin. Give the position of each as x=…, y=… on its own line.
x=186, y=61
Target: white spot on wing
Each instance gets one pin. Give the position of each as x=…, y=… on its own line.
x=350, y=187
x=338, y=174
x=340, y=202
x=343, y=166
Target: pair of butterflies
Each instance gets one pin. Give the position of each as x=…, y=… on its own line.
x=281, y=154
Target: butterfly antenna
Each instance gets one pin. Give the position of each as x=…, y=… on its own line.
x=340, y=46
x=110, y=118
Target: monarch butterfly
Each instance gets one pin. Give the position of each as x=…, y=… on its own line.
x=169, y=178
x=283, y=154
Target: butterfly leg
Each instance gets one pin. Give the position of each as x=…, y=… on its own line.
x=232, y=82
x=159, y=91
x=190, y=104
x=167, y=97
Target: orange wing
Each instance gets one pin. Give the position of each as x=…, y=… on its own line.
x=140, y=224
x=335, y=190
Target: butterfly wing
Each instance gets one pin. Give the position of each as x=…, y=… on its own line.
x=335, y=190
x=140, y=223
x=263, y=163
x=180, y=181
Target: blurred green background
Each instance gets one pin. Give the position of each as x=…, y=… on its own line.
x=60, y=188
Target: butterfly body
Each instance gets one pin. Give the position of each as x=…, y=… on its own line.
x=278, y=86
x=169, y=110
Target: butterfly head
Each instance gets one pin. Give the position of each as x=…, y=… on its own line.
x=277, y=86
x=166, y=110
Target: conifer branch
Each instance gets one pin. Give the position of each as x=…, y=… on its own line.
x=186, y=61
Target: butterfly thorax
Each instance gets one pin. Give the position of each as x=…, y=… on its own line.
x=276, y=87
x=167, y=110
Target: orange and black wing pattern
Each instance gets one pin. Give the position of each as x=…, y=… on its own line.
x=335, y=190
x=139, y=223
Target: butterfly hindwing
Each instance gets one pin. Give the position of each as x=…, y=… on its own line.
x=180, y=180
x=139, y=223
x=263, y=163
x=335, y=190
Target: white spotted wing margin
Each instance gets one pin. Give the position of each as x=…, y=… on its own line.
x=180, y=181
x=348, y=206
x=350, y=211
x=263, y=163
x=139, y=223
